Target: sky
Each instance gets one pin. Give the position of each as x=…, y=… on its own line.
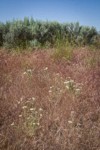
x=86, y=12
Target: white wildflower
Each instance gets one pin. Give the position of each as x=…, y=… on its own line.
x=69, y=77
x=21, y=99
x=57, y=74
x=67, y=87
x=12, y=124
x=66, y=82
x=18, y=102
x=38, y=123
x=72, y=81
x=20, y=116
x=33, y=98
x=32, y=109
x=61, y=91
x=41, y=115
x=40, y=109
x=72, y=112
x=51, y=87
x=24, y=72
x=70, y=122
x=29, y=70
x=46, y=68
x=34, y=123
x=77, y=91
x=50, y=91
x=28, y=118
x=24, y=107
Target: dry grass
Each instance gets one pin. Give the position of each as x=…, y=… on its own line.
x=48, y=104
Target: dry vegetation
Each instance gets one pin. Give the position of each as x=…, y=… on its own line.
x=49, y=104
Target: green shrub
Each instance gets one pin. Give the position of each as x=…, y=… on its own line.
x=34, y=33
x=63, y=49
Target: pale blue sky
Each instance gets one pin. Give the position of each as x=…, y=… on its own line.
x=87, y=12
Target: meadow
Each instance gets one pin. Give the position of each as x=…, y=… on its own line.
x=50, y=92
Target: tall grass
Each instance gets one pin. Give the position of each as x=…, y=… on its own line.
x=48, y=104
x=63, y=49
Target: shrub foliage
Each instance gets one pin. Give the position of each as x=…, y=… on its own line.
x=31, y=33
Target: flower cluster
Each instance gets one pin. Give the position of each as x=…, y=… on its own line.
x=27, y=72
x=30, y=116
x=71, y=85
